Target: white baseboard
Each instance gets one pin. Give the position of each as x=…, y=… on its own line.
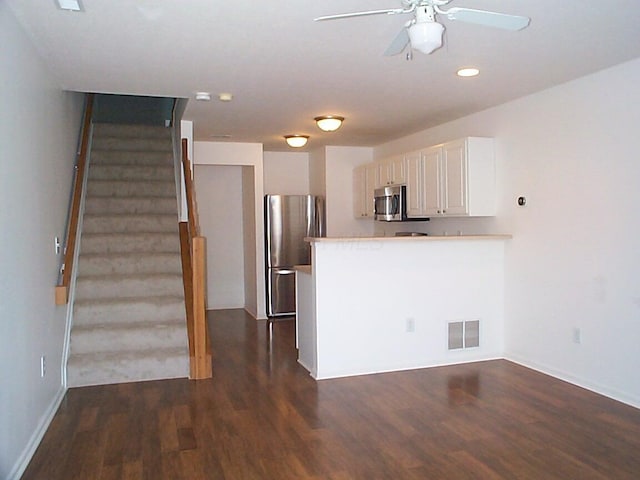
x=33, y=443
x=580, y=382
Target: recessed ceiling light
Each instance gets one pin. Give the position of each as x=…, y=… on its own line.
x=467, y=72
x=225, y=97
x=73, y=5
x=203, y=96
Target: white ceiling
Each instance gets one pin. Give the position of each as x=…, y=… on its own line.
x=283, y=69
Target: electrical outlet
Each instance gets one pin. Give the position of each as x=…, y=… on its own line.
x=577, y=336
x=43, y=366
x=411, y=325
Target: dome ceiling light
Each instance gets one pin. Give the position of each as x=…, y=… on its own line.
x=329, y=123
x=296, y=141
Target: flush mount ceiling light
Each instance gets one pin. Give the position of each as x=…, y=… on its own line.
x=329, y=123
x=296, y=141
x=225, y=97
x=468, y=72
x=203, y=96
x=73, y=5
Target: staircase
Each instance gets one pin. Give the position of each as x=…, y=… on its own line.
x=129, y=312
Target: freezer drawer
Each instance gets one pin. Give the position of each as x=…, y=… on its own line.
x=282, y=292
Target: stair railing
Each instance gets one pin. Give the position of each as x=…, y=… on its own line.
x=193, y=252
x=66, y=269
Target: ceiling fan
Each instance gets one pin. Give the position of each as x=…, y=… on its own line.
x=424, y=33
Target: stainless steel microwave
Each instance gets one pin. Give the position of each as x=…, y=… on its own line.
x=390, y=203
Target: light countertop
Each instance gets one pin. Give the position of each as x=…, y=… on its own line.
x=422, y=238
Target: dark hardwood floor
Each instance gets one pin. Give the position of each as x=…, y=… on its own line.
x=263, y=417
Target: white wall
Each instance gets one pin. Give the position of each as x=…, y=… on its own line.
x=574, y=259
x=317, y=172
x=286, y=173
x=339, y=164
x=219, y=190
x=244, y=155
x=38, y=140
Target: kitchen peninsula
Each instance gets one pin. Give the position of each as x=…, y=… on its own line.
x=377, y=304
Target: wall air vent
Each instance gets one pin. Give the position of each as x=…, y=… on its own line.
x=464, y=334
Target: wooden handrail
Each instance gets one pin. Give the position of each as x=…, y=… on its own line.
x=62, y=290
x=194, y=227
x=193, y=253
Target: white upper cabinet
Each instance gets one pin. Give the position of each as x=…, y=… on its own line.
x=453, y=179
x=392, y=171
x=414, y=162
x=365, y=180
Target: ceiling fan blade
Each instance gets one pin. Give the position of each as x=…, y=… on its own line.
x=389, y=11
x=398, y=44
x=490, y=19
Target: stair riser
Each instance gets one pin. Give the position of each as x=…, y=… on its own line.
x=130, y=131
x=123, y=157
x=126, y=264
x=92, y=340
x=129, y=206
x=135, y=311
x=82, y=371
x=141, y=173
x=130, y=224
x=106, y=287
x=130, y=243
x=132, y=144
x=111, y=188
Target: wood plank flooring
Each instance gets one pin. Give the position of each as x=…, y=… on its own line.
x=263, y=417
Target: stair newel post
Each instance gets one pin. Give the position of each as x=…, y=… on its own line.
x=193, y=248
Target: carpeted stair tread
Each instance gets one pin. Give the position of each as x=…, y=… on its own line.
x=121, y=367
x=129, y=263
x=132, y=130
x=133, y=309
x=124, y=286
x=157, y=242
x=131, y=188
x=130, y=172
x=130, y=223
x=122, y=337
x=128, y=157
x=131, y=144
x=132, y=205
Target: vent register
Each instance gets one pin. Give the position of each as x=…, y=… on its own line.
x=464, y=334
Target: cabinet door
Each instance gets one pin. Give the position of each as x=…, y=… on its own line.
x=359, y=191
x=398, y=170
x=454, y=184
x=384, y=173
x=371, y=183
x=415, y=184
x=432, y=172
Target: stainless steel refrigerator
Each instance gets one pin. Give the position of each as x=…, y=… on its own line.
x=288, y=220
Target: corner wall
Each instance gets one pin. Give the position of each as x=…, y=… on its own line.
x=574, y=260
x=38, y=141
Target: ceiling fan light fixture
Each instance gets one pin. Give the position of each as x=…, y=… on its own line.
x=329, y=123
x=296, y=141
x=426, y=36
